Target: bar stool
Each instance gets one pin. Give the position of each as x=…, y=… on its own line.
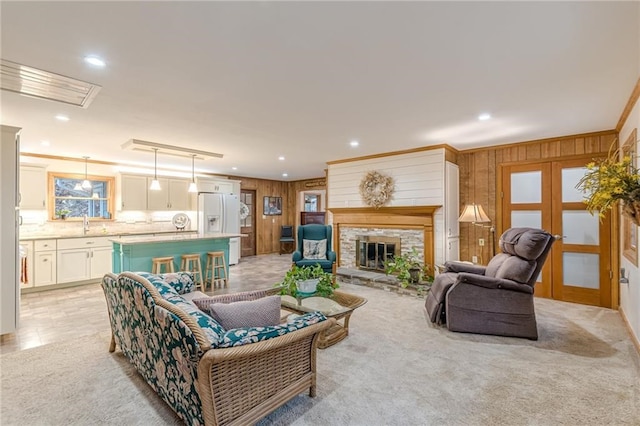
x=159, y=262
x=191, y=263
x=217, y=266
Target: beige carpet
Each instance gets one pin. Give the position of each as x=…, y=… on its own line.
x=394, y=369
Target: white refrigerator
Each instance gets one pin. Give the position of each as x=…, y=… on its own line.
x=220, y=213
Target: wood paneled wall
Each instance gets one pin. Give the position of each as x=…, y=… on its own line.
x=479, y=172
x=268, y=227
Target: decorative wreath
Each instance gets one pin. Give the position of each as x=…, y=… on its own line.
x=244, y=210
x=376, y=189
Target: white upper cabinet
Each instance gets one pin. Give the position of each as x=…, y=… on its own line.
x=223, y=186
x=133, y=192
x=33, y=188
x=173, y=195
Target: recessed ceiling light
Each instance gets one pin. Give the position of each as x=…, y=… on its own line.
x=285, y=174
x=484, y=117
x=62, y=117
x=95, y=61
x=354, y=143
x=45, y=143
x=281, y=158
x=234, y=168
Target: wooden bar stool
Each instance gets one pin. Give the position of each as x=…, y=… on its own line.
x=217, y=267
x=159, y=262
x=191, y=263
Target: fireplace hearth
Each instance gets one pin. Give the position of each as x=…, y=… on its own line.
x=373, y=251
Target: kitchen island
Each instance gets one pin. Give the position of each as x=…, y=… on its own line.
x=135, y=253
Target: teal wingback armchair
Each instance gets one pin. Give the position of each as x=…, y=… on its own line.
x=315, y=233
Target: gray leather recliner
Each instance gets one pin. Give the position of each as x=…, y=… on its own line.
x=496, y=299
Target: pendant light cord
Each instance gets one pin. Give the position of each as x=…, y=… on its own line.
x=155, y=163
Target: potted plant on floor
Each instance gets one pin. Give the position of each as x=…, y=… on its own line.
x=408, y=268
x=306, y=281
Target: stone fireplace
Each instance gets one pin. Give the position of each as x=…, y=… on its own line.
x=373, y=251
x=412, y=226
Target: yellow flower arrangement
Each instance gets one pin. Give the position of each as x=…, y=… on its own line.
x=611, y=180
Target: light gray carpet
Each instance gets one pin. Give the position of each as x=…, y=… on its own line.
x=394, y=369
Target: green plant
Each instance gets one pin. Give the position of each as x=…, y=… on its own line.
x=608, y=181
x=325, y=287
x=409, y=268
x=62, y=213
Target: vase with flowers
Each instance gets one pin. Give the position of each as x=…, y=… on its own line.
x=609, y=181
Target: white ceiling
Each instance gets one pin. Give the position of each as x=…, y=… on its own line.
x=255, y=80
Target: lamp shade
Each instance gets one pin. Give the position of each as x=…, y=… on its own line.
x=474, y=213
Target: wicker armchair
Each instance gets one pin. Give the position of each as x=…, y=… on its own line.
x=202, y=383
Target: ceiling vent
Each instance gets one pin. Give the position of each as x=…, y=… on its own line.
x=42, y=84
x=178, y=151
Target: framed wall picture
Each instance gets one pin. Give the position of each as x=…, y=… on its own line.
x=272, y=206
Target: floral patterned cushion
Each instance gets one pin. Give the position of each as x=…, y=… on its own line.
x=210, y=327
x=171, y=283
x=246, y=335
x=160, y=345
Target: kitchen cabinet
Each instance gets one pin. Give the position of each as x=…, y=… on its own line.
x=223, y=186
x=33, y=187
x=44, y=263
x=101, y=259
x=133, y=190
x=80, y=259
x=173, y=195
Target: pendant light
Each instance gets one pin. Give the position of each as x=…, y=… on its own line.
x=155, y=185
x=86, y=183
x=192, y=186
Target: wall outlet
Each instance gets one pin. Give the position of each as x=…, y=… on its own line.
x=474, y=259
x=481, y=242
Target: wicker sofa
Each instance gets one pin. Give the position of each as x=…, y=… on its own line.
x=206, y=374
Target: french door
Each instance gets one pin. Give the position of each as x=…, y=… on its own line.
x=247, y=222
x=544, y=195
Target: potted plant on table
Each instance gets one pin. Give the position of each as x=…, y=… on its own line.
x=306, y=281
x=611, y=180
x=408, y=268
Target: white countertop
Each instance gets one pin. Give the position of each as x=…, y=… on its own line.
x=98, y=233
x=169, y=238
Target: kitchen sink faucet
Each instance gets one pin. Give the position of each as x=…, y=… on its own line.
x=85, y=224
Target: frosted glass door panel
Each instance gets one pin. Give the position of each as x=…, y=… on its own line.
x=526, y=187
x=581, y=270
x=579, y=227
x=526, y=218
x=570, y=178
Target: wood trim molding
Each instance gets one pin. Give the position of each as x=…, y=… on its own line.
x=537, y=141
x=635, y=94
x=446, y=147
x=413, y=217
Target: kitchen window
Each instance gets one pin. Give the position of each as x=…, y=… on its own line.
x=69, y=198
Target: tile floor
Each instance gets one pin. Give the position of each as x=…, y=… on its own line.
x=62, y=314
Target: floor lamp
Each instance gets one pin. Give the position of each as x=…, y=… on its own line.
x=474, y=213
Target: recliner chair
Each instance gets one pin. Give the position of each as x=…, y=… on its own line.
x=312, y=236
x=496, y=299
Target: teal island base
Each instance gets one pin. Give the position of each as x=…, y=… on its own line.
x=135, y=253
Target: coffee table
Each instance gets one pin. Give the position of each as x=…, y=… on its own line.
x=339, y=306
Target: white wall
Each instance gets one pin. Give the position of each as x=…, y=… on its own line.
x=630, y=293
x=9, y=287
x=418, y=177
